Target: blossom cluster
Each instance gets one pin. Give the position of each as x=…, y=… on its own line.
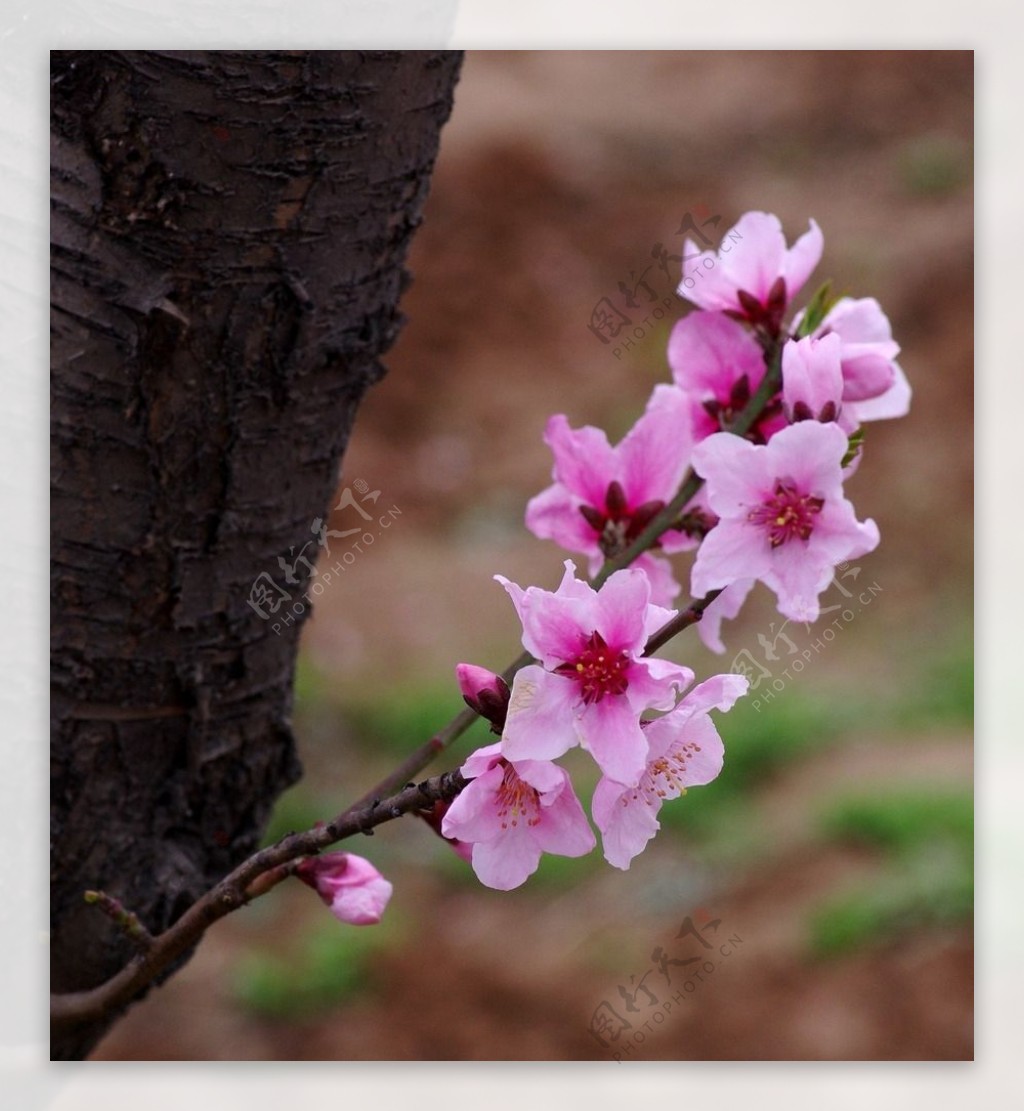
x=764, y=419
x=741, y=459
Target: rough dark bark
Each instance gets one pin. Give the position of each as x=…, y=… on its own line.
x=228, y=233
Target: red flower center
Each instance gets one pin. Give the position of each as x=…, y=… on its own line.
x=616, y=525
x=598, y=670
x=787, y=513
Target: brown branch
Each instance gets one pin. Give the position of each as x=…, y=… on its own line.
x=234, y=891
x=682, y=620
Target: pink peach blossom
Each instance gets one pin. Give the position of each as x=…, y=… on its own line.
x=685, y=751
x=511, y=813
x=591, y=683
x=752, y=274
x=603, y=497
x=783, y=518
x=718, y=364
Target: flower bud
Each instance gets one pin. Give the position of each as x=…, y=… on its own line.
x=354, y=890
x=485, y=693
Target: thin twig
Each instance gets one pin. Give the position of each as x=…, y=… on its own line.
x=234, y=891
x=125, y=920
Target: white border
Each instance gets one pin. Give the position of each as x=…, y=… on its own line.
x=27, y=31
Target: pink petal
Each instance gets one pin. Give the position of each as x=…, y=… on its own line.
x=733, y=469
x=895, y=402
x=473, y=815
x=655, y=683
x=622, y=609
x=725, y=607
x=664, y=587
x=803, y=257
x=867, y=371
x=859, y=320
x=720, y=692
x=708, y=353
x=543, y=776
x=554, y=514
x=655, y=617
x=584, y=461
x=698, y=743
x=812, y=373
x=808, y=453
x=655, y=453
x=757, y=259
x=610, y=731
x=798, y=578
x=627, y=819
x=363, y=905
x=732, y=551
x=508, y=861
x=554, y=624
x=481, y=761
x=541, y=715
x=706, y=286
x=563, y=828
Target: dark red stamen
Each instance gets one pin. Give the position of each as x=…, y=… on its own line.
x=787, y=513
x=616, y=525
x=597, y=669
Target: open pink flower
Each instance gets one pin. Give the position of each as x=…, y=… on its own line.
x=783, y=518
x=603, y=497
x=591, y=684
x=354, y=890
x=511, y=813
x=685, y=751
x=874, y=385
x=718, y=364
x=752, y=274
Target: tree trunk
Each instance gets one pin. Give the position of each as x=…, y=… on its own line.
x=228, y=234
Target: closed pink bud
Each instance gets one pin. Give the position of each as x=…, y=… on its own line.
x=354, y=890
x=485, y=693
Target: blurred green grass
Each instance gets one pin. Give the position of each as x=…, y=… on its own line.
x=934, y=165
x=329, y=962
x=926, y=838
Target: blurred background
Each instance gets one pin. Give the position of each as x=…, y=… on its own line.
x=830, y=867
